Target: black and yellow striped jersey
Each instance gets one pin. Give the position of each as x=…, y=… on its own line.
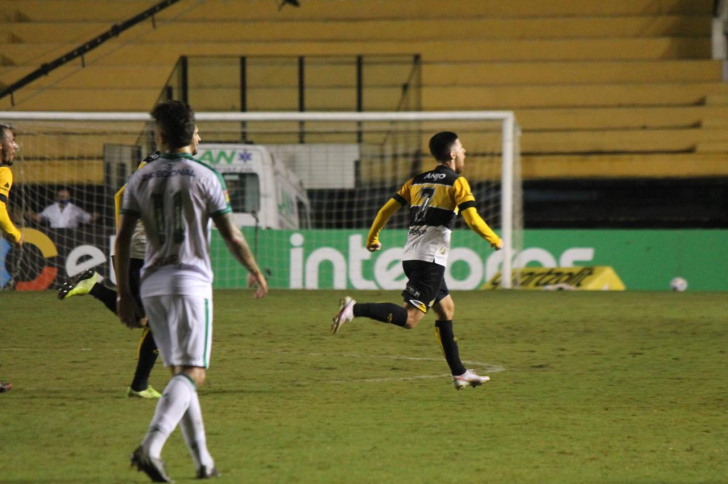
x=435, y=198
x=6, y=225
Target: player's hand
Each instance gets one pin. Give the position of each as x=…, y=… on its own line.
x=499, y=246
x=21, y=241
x=129, y=313
x=374, y=247
x=258, y=280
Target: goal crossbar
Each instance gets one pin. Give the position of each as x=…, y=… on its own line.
x=510, y=134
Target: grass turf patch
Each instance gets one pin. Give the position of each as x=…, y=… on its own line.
x=595, y=387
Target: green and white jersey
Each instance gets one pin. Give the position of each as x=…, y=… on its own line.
x=175, y=197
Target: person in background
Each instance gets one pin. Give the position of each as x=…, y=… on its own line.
x=63, y=214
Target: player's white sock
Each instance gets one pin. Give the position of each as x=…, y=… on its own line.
x=193, y=430
x=171, y=407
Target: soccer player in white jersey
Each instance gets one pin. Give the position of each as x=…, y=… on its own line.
x=435, y=199
x=176, y=197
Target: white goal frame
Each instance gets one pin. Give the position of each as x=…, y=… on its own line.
x=510, y=142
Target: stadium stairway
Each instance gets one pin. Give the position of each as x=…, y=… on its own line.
x=600, y=87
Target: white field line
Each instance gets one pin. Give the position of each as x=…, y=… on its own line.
x=402, y=378
x=485, y=366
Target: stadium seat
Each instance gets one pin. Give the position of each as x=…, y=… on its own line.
x=597, y=86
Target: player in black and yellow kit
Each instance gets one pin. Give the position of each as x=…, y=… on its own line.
x=88, y=283
x=435, y=199
x=8, y=148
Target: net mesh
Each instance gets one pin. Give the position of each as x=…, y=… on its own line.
x=305, y=193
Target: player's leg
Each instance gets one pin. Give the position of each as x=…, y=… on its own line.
x=192, y=424
x=193, y=429
x=147, y=457
x=87, y=283
x=147, y=354
x=422, y=284
x=183, y=330
x=5, y=387
x=422, y=278
x=444, y=308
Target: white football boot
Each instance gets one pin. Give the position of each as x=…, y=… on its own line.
x=468, y=379
x=345, y=314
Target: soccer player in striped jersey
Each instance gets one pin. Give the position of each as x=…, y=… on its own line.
x=176, y=198
x=8, y=148
x=435, y=198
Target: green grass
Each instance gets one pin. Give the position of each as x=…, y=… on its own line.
x=595, y=388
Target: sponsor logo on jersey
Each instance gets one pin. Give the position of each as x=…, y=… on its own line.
x=418, y=230
x=167, y=174
x=412, y=291
x=435, y=176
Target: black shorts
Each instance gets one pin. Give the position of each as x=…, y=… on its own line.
x=425, y=284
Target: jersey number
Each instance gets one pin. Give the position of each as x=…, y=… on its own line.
x=178, y=233
x=426, y=195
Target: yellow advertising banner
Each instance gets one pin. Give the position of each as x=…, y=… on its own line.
x=595, y=278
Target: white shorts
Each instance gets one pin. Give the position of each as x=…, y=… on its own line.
x=182, y=328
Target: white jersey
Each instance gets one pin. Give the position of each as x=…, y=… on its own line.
x=68, y=218
x=138, y=247
x=175, y=198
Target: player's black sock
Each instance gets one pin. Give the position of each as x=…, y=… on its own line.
x=105, y=295
x=147, y=357
x=449, y=345
x=384, y=312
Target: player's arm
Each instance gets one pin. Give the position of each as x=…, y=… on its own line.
x=129, y=313
x=7, y=226
x=478, y=225
x=118, y=197
x=399, y=200
x=239, y=248
x=466, y=206
x=127, y=308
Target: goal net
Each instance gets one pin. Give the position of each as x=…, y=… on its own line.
x=304, y=187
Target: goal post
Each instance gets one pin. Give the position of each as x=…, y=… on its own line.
x=305, y=185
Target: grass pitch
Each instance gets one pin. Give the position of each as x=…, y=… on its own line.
x=586, y=388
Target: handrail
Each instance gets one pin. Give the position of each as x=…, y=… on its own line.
x=114, y=31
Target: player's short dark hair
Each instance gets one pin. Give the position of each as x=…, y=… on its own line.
x=4, y=130
x=176, y=122
x=441, y=145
